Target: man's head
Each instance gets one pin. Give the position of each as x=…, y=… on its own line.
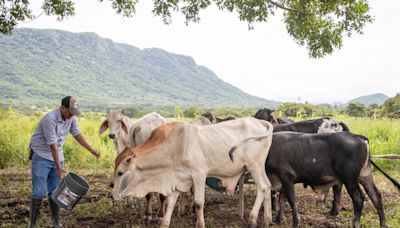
x=70, y=106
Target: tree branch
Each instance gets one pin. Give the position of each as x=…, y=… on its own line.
x=288, y=9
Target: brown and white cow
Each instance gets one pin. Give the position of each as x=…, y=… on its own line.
x=126, y=132
x=181, y=155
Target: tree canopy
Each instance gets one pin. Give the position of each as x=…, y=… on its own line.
x=319, y=25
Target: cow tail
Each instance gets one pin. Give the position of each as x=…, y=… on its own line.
x=269, y=132
x=386, y=156
x=231, y=152
x=386, y=175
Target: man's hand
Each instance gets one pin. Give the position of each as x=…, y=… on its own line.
x=61, y=173
x=95, y=153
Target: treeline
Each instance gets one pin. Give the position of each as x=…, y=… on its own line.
x=390, y=109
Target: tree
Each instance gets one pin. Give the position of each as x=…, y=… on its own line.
x=391, y=107
x=320, y=25
x=192, y=112
x=356, y=109
x=373, y=110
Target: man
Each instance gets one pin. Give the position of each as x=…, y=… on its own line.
x=46, y=147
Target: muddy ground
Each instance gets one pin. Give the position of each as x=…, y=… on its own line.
x=97, y=209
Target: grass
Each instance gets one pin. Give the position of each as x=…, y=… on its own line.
x=16, y=130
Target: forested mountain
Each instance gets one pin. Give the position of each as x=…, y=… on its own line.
x=376, y=98
x=39, y=67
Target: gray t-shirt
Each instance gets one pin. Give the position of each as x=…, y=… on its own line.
x=52, y=129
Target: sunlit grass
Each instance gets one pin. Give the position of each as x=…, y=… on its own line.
x=16, y=130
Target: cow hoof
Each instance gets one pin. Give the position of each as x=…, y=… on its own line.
x=147, y=220
x=159, y=220
x=277, y=221
x=356, y=223
x=333, y=213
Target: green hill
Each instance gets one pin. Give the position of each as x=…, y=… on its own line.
x=376, y=98
x=39, y=67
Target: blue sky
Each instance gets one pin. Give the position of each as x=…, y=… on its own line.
x=264, y=62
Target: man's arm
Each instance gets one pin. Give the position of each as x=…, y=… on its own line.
x=61, y=172
x=85, y=144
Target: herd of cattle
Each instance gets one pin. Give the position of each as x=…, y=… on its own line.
x=171, y=158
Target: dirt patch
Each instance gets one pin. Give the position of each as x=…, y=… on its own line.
x=98, y=210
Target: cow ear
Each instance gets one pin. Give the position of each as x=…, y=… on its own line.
x=135, y=132
x=272, y=110
x=124, y=127
x=103, y=126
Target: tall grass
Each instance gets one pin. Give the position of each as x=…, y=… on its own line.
x=16, y=130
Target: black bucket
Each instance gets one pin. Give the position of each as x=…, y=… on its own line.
x=71, y=189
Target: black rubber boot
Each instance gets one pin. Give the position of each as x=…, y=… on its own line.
x=34, y=211
x=55, y=213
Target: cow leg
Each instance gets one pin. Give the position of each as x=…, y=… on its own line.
x=161, y=210
x=199, y=185
x=288, y=187
x=149, y=209
x=273, y=200
x=267, y=199
x=375, y=196
x=281, y=211
x=337, y=195
x=182, y=204
x=263, y=196
x=171, y=201
x=358, y=199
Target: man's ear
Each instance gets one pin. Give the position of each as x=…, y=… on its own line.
x=103, y=126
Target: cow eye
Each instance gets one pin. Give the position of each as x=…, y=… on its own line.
x=119, y=174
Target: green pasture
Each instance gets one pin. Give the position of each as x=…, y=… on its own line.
x=16, y=129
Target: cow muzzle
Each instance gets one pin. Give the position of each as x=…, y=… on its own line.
x=111, y=136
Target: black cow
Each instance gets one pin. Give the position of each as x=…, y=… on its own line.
x=322, y=125
x=266, y=114
x=321, y=161
x=214, y=119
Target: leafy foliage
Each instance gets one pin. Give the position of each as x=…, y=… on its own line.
x=305, y=110
x=319, y=25
x=356, y=109
x=39, y=67
x=391, y=107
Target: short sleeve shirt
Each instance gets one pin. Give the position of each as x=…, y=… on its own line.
x=52, y=129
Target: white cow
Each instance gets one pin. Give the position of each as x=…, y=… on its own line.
x=118, y=124
x=141, y=129
x=179, y=155
x=126, y=132
x=129, y=133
